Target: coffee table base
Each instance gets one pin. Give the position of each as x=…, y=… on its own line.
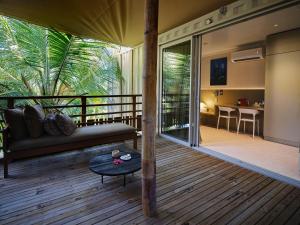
x=124, y=179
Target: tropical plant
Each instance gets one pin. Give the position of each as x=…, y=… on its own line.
x=176, y=85
x=39, y=61
x=35, y=61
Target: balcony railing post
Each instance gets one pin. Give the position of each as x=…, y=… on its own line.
x=134, y=110
x=10, y=103
x=83, y=110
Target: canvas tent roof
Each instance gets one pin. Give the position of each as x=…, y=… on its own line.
x=116, y=21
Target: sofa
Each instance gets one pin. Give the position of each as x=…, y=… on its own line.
x=82, y=137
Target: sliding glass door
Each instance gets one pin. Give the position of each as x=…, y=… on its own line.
x=175, y=91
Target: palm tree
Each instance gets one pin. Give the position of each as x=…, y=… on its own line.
x=39, y=61
x=36, y=61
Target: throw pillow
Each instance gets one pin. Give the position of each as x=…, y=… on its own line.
x=34, y=118
x=50, y=126
x=16, y=123
x=65, y=124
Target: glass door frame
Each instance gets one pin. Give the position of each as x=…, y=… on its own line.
x=194, y=75
x=195, y=90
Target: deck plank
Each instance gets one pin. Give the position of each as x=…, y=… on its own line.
x=274, y=207
x=192, y=188
x=220, y=208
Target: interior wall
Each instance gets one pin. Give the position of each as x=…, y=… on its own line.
x=230, y=97
x=282, y=95
x=241, y=75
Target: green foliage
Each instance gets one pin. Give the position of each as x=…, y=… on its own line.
x=176, y=86
x=35, y=61
x=39, y=61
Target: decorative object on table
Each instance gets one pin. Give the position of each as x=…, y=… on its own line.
x=256, y=104
x=115, y=154
x=126, y=157
x=243, y=102
x=117, y=161
x=218, y=71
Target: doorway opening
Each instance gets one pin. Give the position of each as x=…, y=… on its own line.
x=239, y=70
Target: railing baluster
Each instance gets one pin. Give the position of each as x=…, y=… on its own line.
x=10, y=103
x=83, y=110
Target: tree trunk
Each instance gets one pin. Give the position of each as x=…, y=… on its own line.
x=149, y=108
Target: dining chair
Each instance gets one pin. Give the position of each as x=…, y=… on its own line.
x=248, y=115
x=225, y=112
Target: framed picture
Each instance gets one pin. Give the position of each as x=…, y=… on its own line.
x=218, y=71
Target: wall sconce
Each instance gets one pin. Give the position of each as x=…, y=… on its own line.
x=203, y=107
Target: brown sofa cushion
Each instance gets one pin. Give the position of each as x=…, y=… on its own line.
x=65, y=124
x=50, y=126
x=80, y=134
x=34, y=118
x=16, y=123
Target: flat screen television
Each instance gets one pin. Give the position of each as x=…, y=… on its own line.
x=218, y=71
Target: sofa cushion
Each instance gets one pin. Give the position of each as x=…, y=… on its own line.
x=80, y=134
x=50, y=126
x=65, y=124
x=16, y=123
x=34, y=118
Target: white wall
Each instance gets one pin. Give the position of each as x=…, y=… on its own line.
x=282, y=95
x=241, y=75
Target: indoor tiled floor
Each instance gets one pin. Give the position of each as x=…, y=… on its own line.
x=278, y=158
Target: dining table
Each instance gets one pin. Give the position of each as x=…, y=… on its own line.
x=259, y=108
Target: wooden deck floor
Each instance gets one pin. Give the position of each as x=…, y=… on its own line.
x=192, y=188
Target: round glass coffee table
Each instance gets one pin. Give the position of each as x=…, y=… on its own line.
x=104, y=166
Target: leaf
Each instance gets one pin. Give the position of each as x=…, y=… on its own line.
x=39, y=61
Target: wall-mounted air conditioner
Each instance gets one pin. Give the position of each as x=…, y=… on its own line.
x=250, y=54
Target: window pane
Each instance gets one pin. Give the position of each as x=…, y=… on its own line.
x=176, y=90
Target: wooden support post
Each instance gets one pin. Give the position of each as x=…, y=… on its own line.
x=149, y=108
x=83, y=111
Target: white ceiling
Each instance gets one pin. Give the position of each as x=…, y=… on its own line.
x=251, y=31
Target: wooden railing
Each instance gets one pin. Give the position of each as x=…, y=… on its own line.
x=86, y=110
x=175, y=110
